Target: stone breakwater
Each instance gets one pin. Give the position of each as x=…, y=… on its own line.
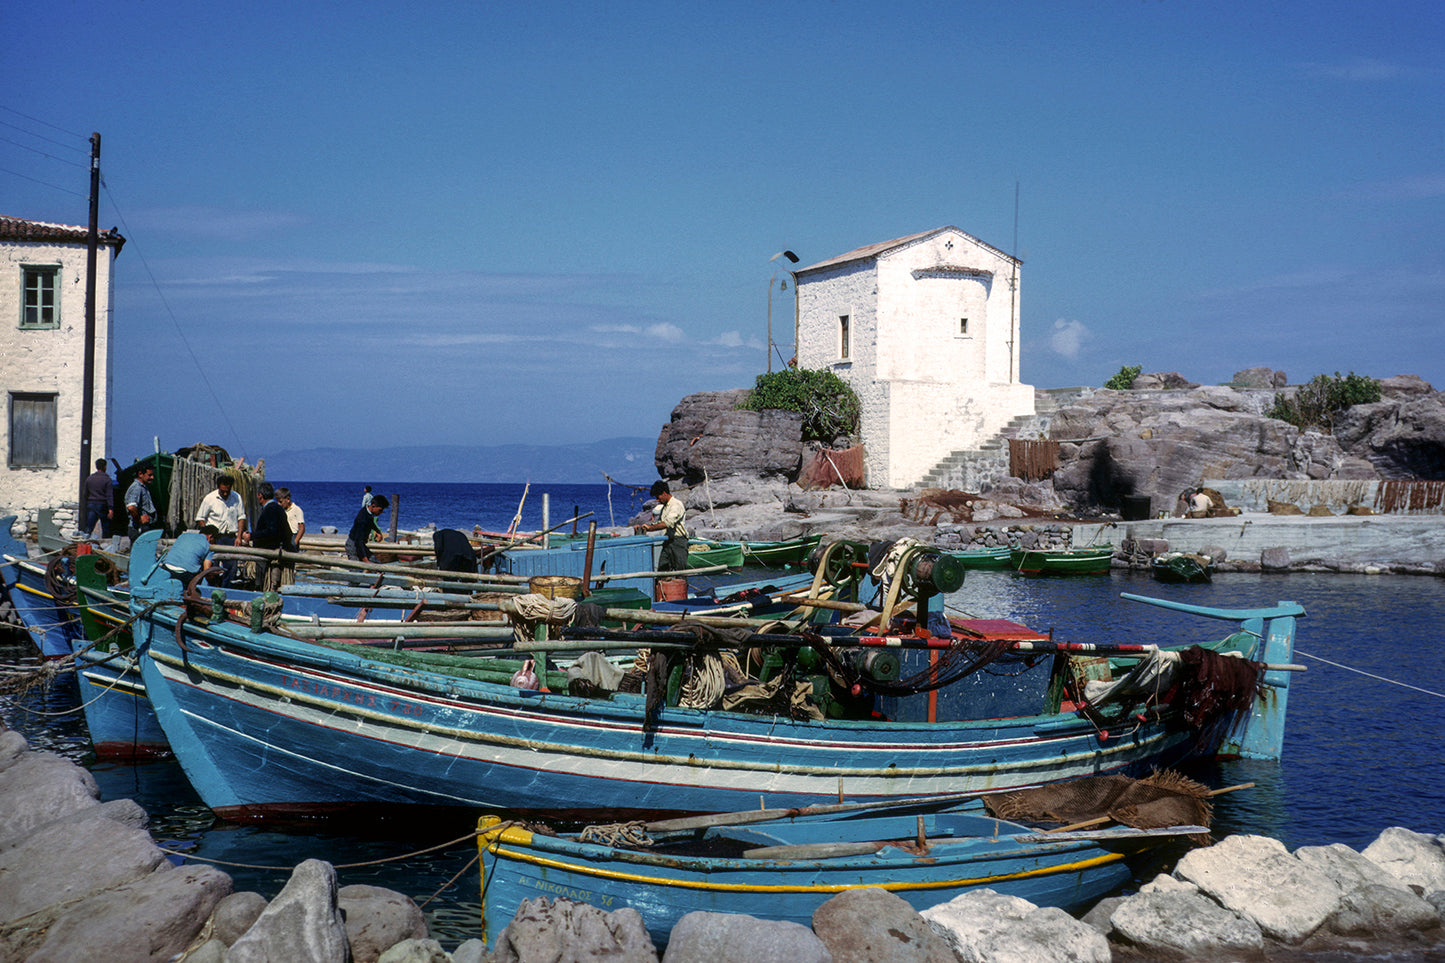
x=81, y=879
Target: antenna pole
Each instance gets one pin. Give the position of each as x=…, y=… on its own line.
x=1013, y=287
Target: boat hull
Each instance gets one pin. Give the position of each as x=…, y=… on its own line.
x=984, y=558
x=662, y=887
x=1080, y=561
x=267, y=725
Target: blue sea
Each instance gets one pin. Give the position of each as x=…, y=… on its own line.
x=492, y=507
x=1362, y=751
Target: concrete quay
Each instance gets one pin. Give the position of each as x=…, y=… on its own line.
x=1367, y=544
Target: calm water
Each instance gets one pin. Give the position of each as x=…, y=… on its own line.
x=1361, y=754
x=463, y=506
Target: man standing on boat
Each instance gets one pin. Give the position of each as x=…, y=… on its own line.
x=294, y=515
x=361, y=529
x=670, y=517
x=223, y=509
x=139, y=503
x=99, y=494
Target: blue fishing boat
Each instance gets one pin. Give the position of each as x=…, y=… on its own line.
x=42, y=597
x=270, y=723
x=785, y=865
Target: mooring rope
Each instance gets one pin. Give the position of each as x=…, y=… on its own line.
x=283, y=869
x=1381, y=678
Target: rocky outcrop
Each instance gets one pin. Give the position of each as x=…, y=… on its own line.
x=1162, y=436
x=1402, y=435
x=709, y=436
x=1158, y=443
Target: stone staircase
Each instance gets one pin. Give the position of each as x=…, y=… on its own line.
x=976, y=469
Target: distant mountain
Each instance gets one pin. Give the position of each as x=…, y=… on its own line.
x=627, y=460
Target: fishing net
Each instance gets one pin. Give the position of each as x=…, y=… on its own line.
x=1164, y=798
x=1217, y=692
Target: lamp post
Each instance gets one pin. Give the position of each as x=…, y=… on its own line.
x=792, y=259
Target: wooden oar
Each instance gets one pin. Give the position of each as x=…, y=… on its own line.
x=749, y=816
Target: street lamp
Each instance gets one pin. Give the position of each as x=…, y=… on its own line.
x=792, y=259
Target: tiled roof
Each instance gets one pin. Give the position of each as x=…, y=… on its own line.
x=884, y=247
x=19, y=229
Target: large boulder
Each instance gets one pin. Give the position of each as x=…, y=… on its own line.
x=543, y=930
x=727, y=937
x=872, y=925
x=1402, y=436
x=1414, y=859
x=303, y=922
x=378, y=919
x=984, y=926
x=1117, y=443
x=151, y=918
x=1183, y=923
x=1257, y=878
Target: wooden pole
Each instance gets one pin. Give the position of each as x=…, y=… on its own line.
x=302, y=558
x=87, y=389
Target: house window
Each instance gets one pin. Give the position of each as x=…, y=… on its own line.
x=32, y=430
x=843, y=336
x=963, y=327
x=40, y=309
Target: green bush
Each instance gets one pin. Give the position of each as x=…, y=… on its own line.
x=829, y=407
x=1319, y=403
x=1124, y=380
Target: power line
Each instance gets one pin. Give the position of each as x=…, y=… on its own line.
x=47, y=123
x=189, y=350
x=45, y=154
x=48, y=140
x=6, y=170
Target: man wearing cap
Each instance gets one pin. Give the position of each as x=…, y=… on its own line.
x=670, y=514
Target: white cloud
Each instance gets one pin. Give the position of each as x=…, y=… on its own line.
x=1068, y=338
x=664, y=331
x=1418, y=188
x=735, y=339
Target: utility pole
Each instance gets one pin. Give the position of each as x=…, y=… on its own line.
x=87, y=391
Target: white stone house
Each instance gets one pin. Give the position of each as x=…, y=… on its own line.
x=925, y=329
x=42, y=362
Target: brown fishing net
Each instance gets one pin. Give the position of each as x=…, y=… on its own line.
x=1217, y=692
x=1164, y=798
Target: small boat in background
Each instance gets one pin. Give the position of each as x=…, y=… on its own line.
x=784, y=864
x=778, y=554
x=997, y=557
x=1182, y=567
x=1091, y=560
x=702, y=553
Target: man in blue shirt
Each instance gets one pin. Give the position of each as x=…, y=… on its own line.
x=190, y=555
x=139, y=504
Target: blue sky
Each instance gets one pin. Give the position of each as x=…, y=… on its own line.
x=369, y=224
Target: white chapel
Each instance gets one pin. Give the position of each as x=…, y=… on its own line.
x=925, y=329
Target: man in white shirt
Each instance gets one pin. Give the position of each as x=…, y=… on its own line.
x=224, y=509
x=670, y=514
x=294, y=514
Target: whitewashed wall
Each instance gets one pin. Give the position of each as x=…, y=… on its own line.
x=53, y=360
x=926, y=388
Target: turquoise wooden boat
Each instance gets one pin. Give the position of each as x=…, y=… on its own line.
x=273, y=724
x=998, y=557
x=1093, y=560
x=785, y=868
